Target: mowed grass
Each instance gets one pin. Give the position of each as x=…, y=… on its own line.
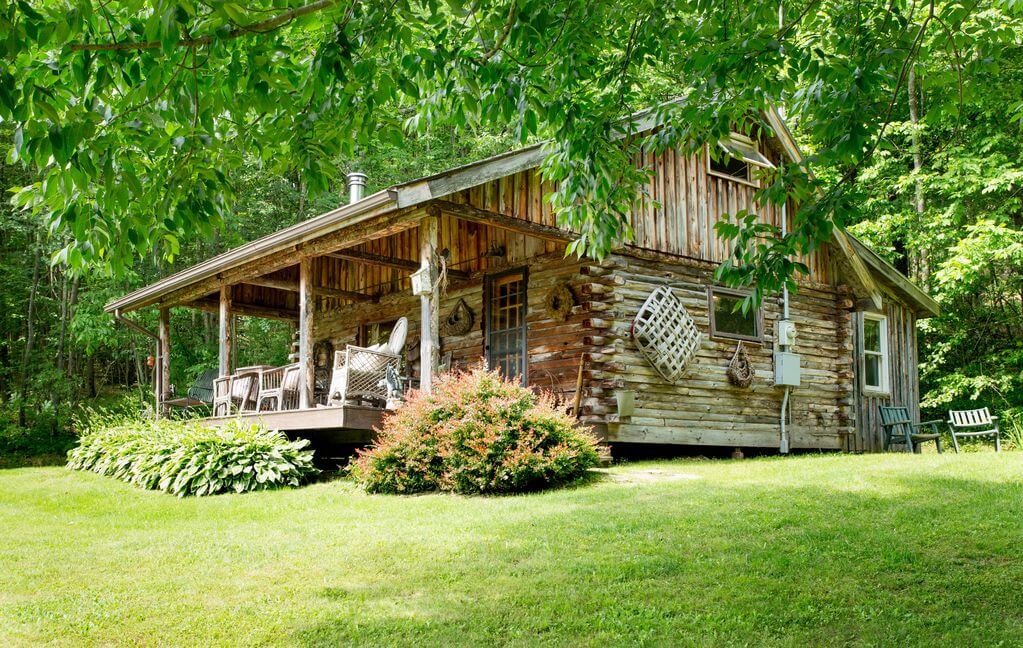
x=814, y=550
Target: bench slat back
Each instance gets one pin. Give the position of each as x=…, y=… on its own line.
x=970, y=418
x=893, y=415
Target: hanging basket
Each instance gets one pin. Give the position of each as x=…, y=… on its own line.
x=740, y=371
x=666, y=334
x=459, y=321
x=559, y=303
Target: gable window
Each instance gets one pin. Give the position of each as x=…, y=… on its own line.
x=736, y=159
x=727, y=319
x=505, y=300
x=874, y=353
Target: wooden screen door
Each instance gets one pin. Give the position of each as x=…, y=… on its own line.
x=505, y=302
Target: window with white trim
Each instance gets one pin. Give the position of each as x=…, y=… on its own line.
x=874, y=352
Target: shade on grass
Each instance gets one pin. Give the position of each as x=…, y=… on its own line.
x=890, y=549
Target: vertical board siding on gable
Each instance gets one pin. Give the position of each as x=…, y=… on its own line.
x=683, y=203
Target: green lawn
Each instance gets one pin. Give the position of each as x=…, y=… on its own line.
x=885, y=549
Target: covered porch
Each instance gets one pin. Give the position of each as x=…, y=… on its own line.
x=342, y=281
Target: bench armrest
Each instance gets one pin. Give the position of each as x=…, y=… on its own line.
x=923, y=423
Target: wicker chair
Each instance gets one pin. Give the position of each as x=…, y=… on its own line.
x=360, y=373
x=278, y=388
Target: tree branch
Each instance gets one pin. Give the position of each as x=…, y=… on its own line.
x=263, y=26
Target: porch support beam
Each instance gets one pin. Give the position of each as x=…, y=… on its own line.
x=306, y=307
x=500, y=221
x=370, y=258
x=226, y=331
x=246, y=310
x=163, y=362
x=293, y=286
x=429, y=345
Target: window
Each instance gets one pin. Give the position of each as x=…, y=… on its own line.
x=505, y=301
x=874, y=360
x=727, y=319
x=738, y=154
x=376, y=333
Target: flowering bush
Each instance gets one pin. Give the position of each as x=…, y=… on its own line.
x=476, y=433
x=184, y=458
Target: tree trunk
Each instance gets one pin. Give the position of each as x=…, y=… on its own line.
x=29, y=335
x=923, y=271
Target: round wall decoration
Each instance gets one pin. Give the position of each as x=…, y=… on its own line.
x=559, y=303
x=740, y=371
x=459, y=321
x=666, y=334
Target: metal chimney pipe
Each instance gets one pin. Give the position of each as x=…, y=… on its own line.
x=356, y=186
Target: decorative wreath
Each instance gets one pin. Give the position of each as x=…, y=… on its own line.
x=740, y=371
x=559, y=303
x=459, y=321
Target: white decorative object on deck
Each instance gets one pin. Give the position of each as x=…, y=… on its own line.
x=666, y=334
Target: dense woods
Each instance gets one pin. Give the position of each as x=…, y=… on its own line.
x=916, y=146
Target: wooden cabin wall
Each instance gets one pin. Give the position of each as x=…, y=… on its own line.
x=904, y=376
x=684, y=202
x=705, y=409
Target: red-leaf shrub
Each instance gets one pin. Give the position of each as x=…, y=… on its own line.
x=476, y=433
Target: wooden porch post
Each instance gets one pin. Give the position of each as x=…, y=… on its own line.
x=226, y=331
x=429, y=345
x=306, y=303
x=163, y=384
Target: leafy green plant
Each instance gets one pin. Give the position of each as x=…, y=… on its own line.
x=476, y=433
x=185, y=458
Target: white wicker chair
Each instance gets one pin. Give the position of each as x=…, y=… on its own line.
x=234, y=393
x=360, y=373
x=278, y=388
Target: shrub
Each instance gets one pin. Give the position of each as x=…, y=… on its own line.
x=185, y=458
x=476, y=433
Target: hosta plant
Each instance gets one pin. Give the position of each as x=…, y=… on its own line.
x=476, y=433
x=186, y=458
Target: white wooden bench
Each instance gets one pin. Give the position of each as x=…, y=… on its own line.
x=973, y=423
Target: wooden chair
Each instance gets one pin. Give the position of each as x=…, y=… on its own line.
x=199, y=394
x=278, y=388
x=360, y=373
x=899, y=428
x=235, y=393
x=973, y=423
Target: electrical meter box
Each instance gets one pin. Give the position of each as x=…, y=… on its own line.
x=786, y=330
x=786, y=369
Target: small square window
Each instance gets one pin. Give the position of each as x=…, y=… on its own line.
x=727, y=319
x=737, y=157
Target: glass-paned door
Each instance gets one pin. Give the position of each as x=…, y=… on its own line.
x=506, y=324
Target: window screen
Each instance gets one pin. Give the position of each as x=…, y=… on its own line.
x=506, y=324
x=727, y=319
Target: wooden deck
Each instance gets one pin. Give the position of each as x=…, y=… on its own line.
x=356, y=422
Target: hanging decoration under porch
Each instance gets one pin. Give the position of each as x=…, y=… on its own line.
x=740, y=370
x=559, y=302
x=666, y=334
x=459, y=321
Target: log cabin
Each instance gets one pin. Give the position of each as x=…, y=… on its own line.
x=474, y=260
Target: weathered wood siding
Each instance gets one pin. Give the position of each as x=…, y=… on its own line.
x=904, y=377
x=705, y=409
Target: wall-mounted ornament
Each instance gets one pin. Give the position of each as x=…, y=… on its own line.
x=559, y=303
x=740, y=371
x=323, y=353
x=666, y=334
x=459, y=321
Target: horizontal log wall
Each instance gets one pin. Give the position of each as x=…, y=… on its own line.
x=705, y=409
x=904, y=377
